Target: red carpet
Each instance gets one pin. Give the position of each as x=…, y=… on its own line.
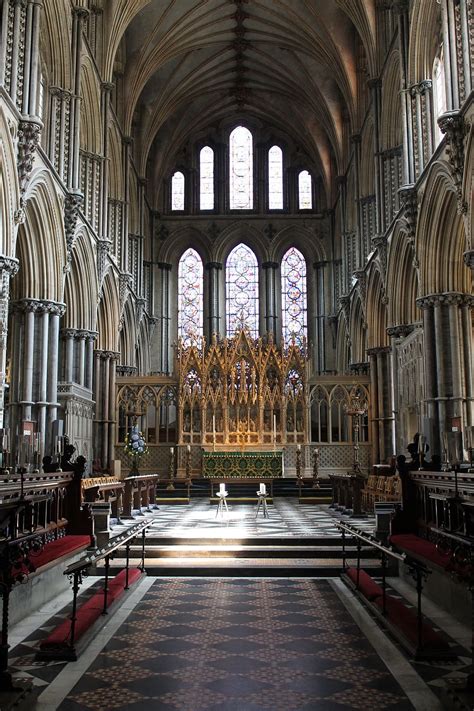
x=90, y=611
x=367, y=586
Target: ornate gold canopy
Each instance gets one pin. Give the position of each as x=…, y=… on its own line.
x=242, y=392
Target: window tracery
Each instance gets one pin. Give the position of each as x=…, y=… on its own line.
x=242, y=291
x=241, y=169
x=294, y=297
x=305, y=191
x=177, y=191
x=190, y=297
x=206, y=178
x=275, y=178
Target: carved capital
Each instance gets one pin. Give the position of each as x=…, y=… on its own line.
x=469, y=259
x=400, y=331
x=10, y=265
x=213, y=265
x=409, y=201
x=449, y=298
x=380, y=350
x=72, y=204
x=54, y=308
x=28, y=138
x=455, y=128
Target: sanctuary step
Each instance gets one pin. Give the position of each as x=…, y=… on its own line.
x=256, y=557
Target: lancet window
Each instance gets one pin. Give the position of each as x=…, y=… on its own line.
x=206, y=177
x=241, y=169
x=294, y=298
x=177, y=191
x=242, y=291
x=275, y=178
x=305, y=191
x=190, y=297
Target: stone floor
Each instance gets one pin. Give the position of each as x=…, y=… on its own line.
x=287, y=518
x=246, y=644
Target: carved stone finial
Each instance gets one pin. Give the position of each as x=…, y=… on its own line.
x=454, y=126
x=28, y=138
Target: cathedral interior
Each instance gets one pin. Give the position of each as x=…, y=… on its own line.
x=236, y=354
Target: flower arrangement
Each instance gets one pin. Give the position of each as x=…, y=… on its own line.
x=135, y=444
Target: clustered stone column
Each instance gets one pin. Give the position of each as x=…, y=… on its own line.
x=104, y=396
x=8, y=268
x=270, y=313
x=396, y=333
x=34, y=359
x=214, y=269
x=77, y=356
x=381, y=402
x=448, y=360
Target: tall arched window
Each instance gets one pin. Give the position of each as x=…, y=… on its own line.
x=241, y=169
x=177, y=191
x=439, y=91
x=275, y=178
x=190, y=296
x=242, y=291
x=293, y=298
x=206, y=178
x=305, y=191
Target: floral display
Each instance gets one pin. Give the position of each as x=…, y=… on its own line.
x=135, y=444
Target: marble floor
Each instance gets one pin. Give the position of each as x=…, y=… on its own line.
x=237, y=643
x=287, y=518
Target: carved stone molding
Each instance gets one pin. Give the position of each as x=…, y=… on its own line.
x=379, y=350
x=448, y=298
x=103, y=257
x=379, y=242
x=469, y=259
x=72, y=204
x=361, y=287
x=400, y=331
x=28, y=138
x=409, y=201
x=10, y=265
x=126, y=370
x=359, y=368
x=36, y=306
x=140, y=309
x=455, y=128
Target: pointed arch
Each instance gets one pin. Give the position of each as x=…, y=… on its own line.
x=9, y=187
x=80, y=294
x=41, y=244
x=108, y=314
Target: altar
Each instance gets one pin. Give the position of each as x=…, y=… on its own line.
x=226, y=466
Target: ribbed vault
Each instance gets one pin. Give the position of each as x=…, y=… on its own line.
x=192, y=64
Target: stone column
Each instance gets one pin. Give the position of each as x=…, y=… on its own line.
x=68, y=335
x=31, y=58
x=356, y=139
x=104, y=179
x=316, y=329
x=374, y=406
x=381, y=399
x=213, y=300
x=89, y=369
x=448, y=364
x=113, y=358
x=401, y=8
x=81, y=356
x=448, y=23
x=35, y=364
x=79, y=15
x=396, y=333
x=164, y=318
x=270, y=310
x=8, y=269
x=375, y=86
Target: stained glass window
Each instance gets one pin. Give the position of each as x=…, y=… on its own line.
x=206, y=177
x=241, y=169
x=190, y=296
x=177, y=191
x=305, y=191
x=439, y=90
x=242, y=291
x=275, y=178
x=293, y=281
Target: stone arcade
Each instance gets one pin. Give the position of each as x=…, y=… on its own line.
x=245, y=227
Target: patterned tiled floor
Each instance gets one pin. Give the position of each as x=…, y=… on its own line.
x=238, y=645
x=287, y=518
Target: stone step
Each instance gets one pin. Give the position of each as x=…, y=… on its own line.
x=245, y=567
x=229, y=538
x=245, y=551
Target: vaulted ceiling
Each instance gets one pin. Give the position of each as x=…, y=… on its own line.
x=191, y=64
